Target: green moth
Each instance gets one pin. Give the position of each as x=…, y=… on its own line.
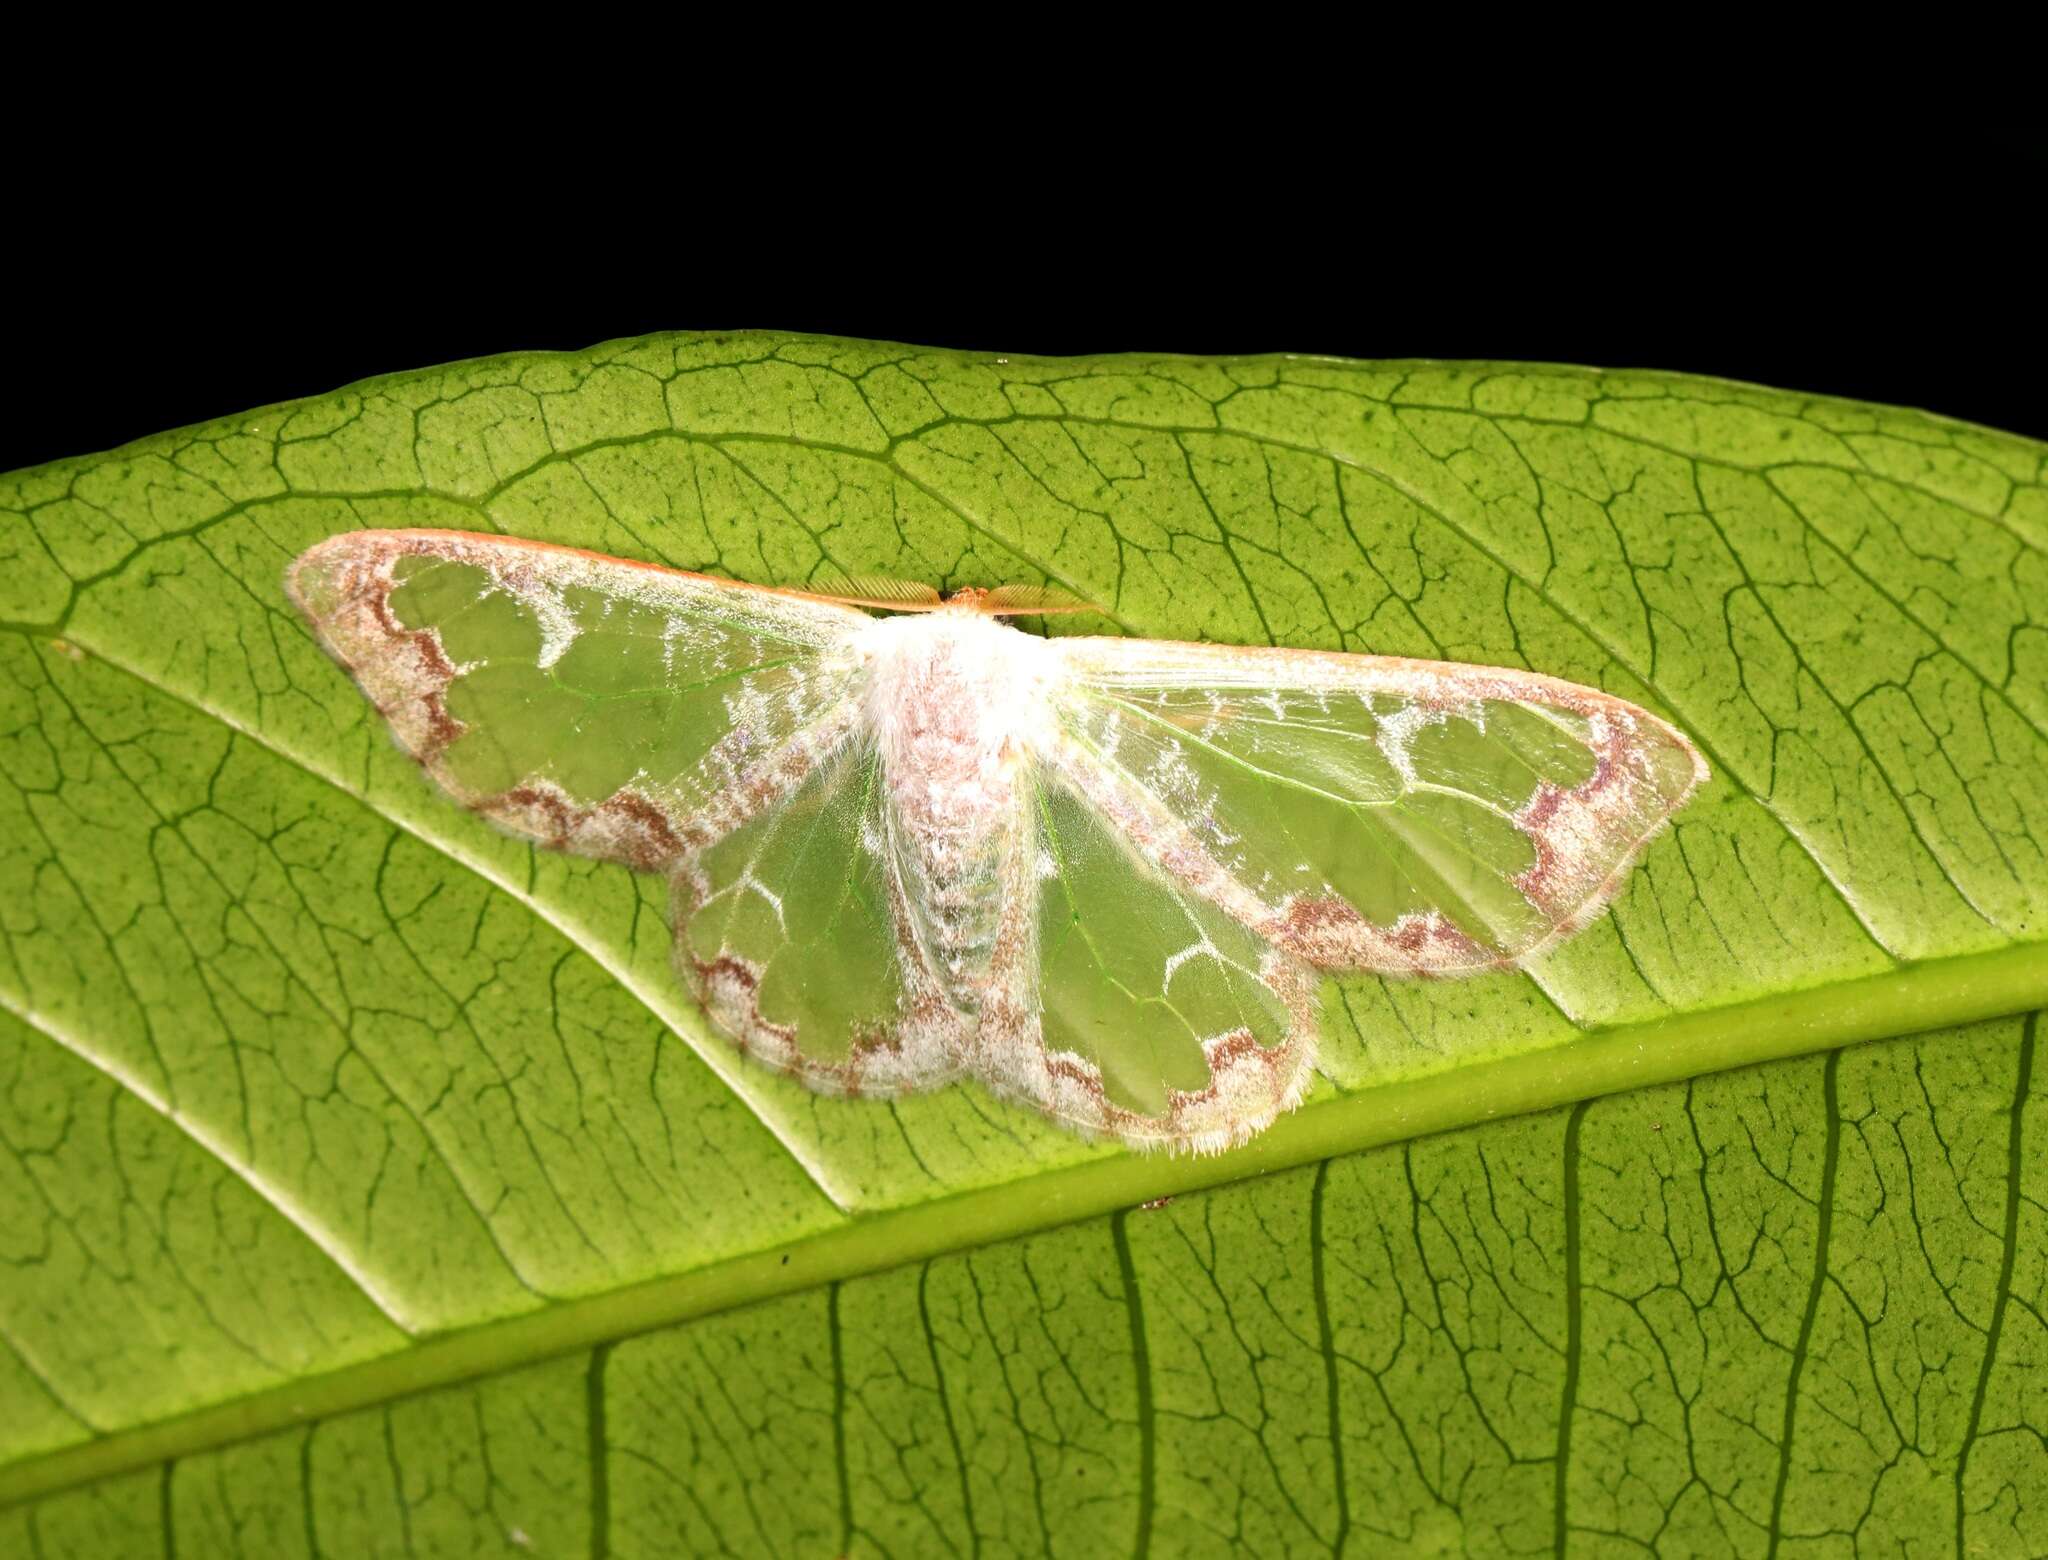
x=1100, y=875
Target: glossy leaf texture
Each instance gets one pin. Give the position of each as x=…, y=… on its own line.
x=366, y=1181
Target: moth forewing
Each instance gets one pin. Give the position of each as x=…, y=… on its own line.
x=609, y=708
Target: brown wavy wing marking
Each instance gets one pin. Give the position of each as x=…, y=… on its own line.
x=1403, y=817
x=597, y=705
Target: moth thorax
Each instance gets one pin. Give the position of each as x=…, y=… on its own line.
x=947, y=697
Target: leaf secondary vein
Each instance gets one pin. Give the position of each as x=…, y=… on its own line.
x=727, y=1068
x=329, y=1245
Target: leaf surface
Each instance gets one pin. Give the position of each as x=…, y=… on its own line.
x=325, y=1102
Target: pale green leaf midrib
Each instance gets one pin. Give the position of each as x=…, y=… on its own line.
x=1906, y=1000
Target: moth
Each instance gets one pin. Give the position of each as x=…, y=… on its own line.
x=1103, y=876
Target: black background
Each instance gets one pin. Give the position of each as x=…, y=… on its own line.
x=1889, y=295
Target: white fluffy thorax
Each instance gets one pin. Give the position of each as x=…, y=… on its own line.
x=956, y=698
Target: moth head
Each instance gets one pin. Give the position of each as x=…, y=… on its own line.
x=1017, y=601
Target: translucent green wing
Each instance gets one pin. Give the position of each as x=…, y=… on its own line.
x=1120, y=1001
x=670, y=721
x=796, y=937
x=1406, y=817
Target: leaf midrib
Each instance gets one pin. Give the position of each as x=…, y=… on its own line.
x=1963, y=989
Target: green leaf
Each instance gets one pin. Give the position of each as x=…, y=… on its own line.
x=367, y=1182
